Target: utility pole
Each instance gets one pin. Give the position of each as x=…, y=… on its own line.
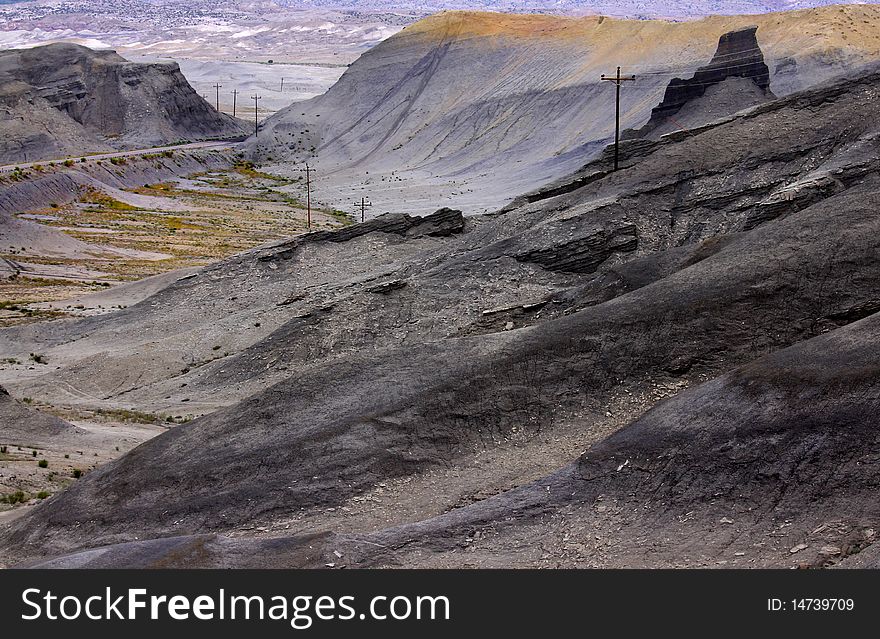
x=308, y=171
x=218, y=86
x=364, y=205
x=256, y=98
x=282, y=85
x=617, y=80
x=234, y=99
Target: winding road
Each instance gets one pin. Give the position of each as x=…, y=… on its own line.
x=215, y=144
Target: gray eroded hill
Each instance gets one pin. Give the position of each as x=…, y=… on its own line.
x=394, y=383
x=64, y=99
x=20, y=423
x=472, y=109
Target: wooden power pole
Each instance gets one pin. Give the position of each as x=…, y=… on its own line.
x=256, y=98
x=234, y=100
x=282, y=85
x=308, y=171
x=617, y=80
x=364, y=204
x=218, y=86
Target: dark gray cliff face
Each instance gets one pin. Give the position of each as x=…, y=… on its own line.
x=64, y=98
x=738, y=56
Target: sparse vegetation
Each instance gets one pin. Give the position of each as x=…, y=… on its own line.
x=38, y=359
x=99, y=198
x=126, y=415
x=43, y=463
x=76, y=473
x=18, y=497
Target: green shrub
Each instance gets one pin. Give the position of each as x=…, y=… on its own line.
x=77, y=473
x=18, y=497
x=43, y=463
x=43, y=494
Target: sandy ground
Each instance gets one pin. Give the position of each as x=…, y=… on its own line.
x=95, y=441
x=118, y=236
x=302, y=81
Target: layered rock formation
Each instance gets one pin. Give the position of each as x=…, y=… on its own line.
x=738, y=56
x=64, y=99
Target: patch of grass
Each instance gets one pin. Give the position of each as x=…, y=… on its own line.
x=125, y=415
x=99, y=198
x=248, y=169
x=43, y=494
x=18, y=497
x=346, y=219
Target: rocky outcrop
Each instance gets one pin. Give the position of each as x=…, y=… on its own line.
x=442, y=223
x=738, y=56
x=63, y=99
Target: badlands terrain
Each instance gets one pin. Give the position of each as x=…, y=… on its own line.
x=669, y=365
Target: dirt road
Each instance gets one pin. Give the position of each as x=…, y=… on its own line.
x=214, y=144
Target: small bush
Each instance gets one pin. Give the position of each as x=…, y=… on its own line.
x=43, y=463
x=39, y=359
x=18, y=497
x=43, y=494
x=33, y=453
x=68, y=163
x=77, y=473
x=3, y=449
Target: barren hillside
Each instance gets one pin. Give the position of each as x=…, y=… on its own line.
x=673, y=364
x=475, y=108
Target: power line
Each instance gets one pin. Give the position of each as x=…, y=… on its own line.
x=687, y=65
x=308, y=171
x=218, y=86
x=256, y=99
x=363, y=206
x=617, y=80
